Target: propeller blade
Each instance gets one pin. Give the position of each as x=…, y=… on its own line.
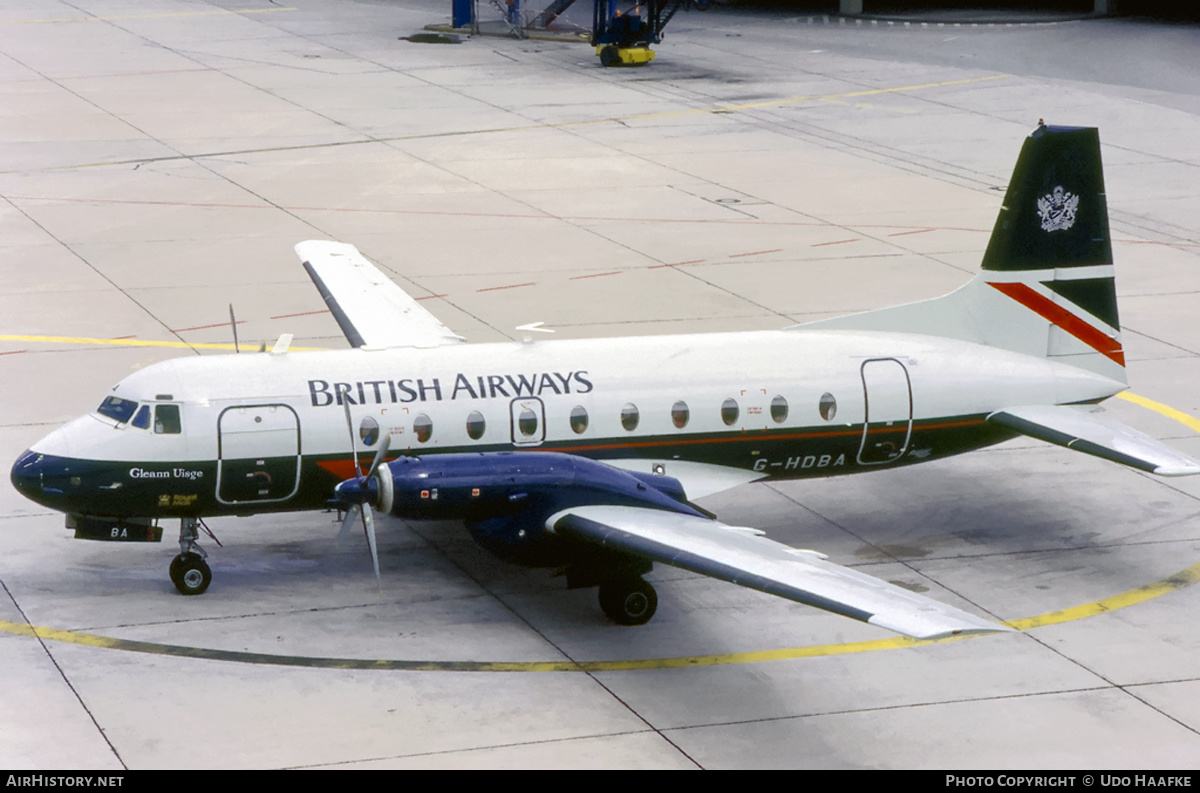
x=385, y=444
x=369, y=528
x=347, y=522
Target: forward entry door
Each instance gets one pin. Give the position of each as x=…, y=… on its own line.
x=258, y=454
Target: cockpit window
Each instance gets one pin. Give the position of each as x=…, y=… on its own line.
x=117, y=409
x=166, y=420
x=142, y=419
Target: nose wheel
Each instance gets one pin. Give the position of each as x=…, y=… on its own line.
x=628, y=601
x=190, y=574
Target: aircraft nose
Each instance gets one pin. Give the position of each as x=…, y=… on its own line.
x=26, y=474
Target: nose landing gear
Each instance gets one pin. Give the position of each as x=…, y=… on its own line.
x=189, y=572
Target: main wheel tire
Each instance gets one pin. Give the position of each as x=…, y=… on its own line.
x=628, y=602
x=190, y=574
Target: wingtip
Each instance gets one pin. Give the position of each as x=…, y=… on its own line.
x=940, y=630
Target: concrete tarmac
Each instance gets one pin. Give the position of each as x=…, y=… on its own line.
x=160, y=160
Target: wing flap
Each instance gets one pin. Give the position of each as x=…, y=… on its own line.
x=369, y=308
x=1082, y=429
x=743, y=557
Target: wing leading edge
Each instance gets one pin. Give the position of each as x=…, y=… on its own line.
x=370, y=309
x=744, y=557
x=1082, y=429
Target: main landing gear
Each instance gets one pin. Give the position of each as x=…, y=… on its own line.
x=628, y=601
x=625, y=597
x=189, y=572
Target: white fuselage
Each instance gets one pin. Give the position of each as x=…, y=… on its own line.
x=712, y=410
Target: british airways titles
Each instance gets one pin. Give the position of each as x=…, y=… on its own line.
x=379, y=392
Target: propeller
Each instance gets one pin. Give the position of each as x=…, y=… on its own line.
x=358, y=493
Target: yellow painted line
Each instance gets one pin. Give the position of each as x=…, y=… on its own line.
x=139, y=343
x=836, y=97
x=1165, y=410
x=1184, y=578
x=168, y=15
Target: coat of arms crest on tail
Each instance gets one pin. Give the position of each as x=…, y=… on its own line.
x=1057, y=210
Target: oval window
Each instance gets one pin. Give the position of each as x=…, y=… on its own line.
x=527, y=422
x=680, y=414
x=827, y=406
x=368, y=431
x=729, y=412
x=779, y=410
x=423, y=427
x=629, y=416
x=475, y=425
x=579, y=419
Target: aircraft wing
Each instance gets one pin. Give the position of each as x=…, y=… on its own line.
x=370, y=309
x=1084, y=429
x=743, y=556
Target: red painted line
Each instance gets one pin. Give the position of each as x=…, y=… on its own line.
x=510, y=286
x=835, y=242
x=199, y=327
x=594, y=275
x=914, y=231
x=13, y=352
x=429, y=297
x=755, y=253
x=301, y=314
x=1093, y=337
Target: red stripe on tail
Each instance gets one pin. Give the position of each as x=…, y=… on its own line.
x=1093, y=337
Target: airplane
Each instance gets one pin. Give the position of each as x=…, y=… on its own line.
x=587, y=456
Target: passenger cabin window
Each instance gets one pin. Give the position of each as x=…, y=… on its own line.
x=117, y=409
x=166, y=420
x=475, y=425
x=142, y=419
x=527, y=422
x=779, y=410
x=579, y=419
x=827, y=406
x=680, y=414
x=423, y=427
x=368, y=431
x=729, y=412
x=629, y=416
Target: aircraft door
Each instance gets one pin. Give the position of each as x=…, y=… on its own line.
x=887, y=426
x=258, y=454
x=528, y=417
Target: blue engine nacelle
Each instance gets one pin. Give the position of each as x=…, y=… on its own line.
x=506, y=497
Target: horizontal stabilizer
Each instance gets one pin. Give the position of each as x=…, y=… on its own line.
x=745, y=558
x=369, y=308
x=1082, y=429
